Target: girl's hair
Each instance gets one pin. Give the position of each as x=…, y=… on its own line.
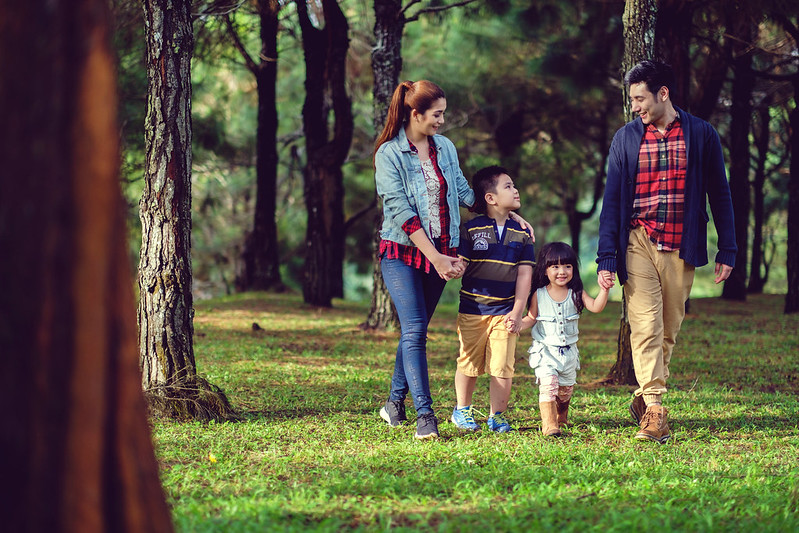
x=558, y=253
x=408, y=95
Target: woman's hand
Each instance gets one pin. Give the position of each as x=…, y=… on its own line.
x=448, y=267
x=523, y=223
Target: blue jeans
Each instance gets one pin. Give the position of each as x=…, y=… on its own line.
x=415, y=295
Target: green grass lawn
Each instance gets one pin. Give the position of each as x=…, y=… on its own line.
x=312, y=454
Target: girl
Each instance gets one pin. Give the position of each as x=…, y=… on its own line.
x=420, y=182
x=556, y=302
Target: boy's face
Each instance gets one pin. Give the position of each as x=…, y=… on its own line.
x=505, y=195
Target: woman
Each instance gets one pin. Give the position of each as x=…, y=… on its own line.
x=421, y=184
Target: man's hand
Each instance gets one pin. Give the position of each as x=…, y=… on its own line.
x=605, y=279
x=722, y=272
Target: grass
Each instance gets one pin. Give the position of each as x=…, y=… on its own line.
x=311, y=453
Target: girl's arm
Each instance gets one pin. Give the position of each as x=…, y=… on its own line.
x=595, y=305
x=529, y=319
x=524, y=278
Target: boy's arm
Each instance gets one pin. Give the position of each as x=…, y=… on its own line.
x=529, y=319
x=595, y=305
x=524, y=278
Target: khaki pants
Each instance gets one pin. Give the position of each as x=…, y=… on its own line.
x=657, y=287
x=486, y=345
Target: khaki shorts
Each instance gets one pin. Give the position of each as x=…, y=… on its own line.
x=486, y=346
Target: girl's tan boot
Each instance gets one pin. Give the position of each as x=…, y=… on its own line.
x=549, y=419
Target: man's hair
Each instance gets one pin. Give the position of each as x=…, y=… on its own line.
x=485, y=181
x=655, y=74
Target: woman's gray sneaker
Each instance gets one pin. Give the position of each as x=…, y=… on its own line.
x=394, y=413
x=427, y=426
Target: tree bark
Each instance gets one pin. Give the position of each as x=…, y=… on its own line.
x=77, y=453
x=761, y=133
x=640, y=19
x=166, y=312
x=325, y=81
x=386, y=68
x=792, y=262
x=261, y=256
x=742, y=28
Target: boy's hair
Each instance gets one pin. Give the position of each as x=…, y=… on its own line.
x=558, y=253
x=485, y=181
x=655, y=74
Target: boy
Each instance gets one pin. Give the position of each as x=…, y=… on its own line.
x=499, y=256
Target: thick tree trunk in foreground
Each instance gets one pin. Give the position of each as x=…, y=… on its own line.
x=77, y=454
x=640, y=18
x=386, y=66
x=166, y=313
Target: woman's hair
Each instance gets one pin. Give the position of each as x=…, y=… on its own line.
x=485, y=181
x=419, y=95
x=558, y=253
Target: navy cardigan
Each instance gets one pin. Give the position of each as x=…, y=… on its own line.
x=705, y=179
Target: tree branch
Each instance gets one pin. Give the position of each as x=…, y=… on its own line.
x=251, y=65
x=433, y=9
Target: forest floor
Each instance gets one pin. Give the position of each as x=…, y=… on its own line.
x=310, y=452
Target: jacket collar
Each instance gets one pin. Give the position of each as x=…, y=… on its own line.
x=405, y=145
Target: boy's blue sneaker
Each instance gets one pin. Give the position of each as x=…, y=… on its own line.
x=464, y=419
x=498, y=424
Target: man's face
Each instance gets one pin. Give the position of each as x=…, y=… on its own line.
x=650, y=107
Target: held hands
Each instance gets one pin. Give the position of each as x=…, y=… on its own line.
x=722, y=272
x=513, y=322
x=449, y=267
x=605, y=279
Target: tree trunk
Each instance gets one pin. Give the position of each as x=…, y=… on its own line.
x=741, y=27
x=792, y=262
x=640, y=18
x=261, y=256
x=386, y=68
x=757, y=279
x=674, y=25
x=166, y=312
x=77, y=453
x=325, y=88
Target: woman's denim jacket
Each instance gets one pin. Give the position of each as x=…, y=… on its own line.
x=401, y=186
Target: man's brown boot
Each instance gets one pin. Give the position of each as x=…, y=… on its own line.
x=549, y=419
x=637, y=409
x=654, y=425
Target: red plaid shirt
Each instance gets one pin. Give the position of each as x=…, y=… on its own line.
x=411, y=255
x=660, y=185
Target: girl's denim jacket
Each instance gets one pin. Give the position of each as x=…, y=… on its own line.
x=556, y=323
x=400, y=184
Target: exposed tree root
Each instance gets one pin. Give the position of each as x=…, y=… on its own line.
x=192, y=398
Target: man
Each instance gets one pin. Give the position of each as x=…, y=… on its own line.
x=662, y=169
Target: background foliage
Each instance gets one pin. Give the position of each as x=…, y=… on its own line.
x=531, y=85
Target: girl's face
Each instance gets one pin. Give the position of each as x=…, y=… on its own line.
x=560, y=275
x=432, y=119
